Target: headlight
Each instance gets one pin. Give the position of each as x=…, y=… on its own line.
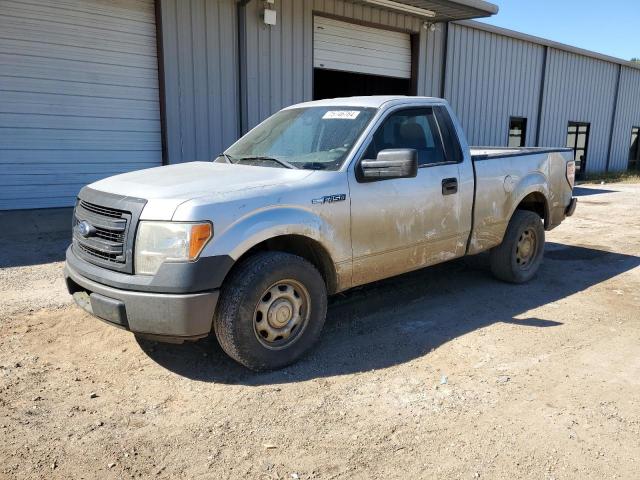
x=158, y=242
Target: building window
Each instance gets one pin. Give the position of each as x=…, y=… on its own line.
x=517, y=132
x=578, y=141
x=634, y=150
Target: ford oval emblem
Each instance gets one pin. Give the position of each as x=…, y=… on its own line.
x=86, y=229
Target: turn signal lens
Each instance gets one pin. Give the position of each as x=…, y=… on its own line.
x=200, y=235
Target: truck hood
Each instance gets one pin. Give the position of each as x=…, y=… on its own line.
x=165, y=188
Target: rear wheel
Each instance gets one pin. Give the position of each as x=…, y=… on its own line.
x=519, y=256
x=271, y=310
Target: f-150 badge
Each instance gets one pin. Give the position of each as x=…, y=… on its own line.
x=340, y=197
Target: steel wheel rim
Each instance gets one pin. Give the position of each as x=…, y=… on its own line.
x=526, y=249
x=281, y=314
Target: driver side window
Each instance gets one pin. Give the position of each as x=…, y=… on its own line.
x=414, y=128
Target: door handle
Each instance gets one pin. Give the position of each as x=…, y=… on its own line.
x=449, y=186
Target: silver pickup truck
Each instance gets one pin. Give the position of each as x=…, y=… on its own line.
x=319, y=198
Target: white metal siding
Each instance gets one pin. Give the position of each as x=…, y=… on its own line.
x=579, y=89
x=627, y=117
x=200, y=46
x=355, y=48
x=78, y=96
x=431, y=55
x=491, y=78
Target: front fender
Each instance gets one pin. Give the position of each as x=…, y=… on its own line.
x=276, y=221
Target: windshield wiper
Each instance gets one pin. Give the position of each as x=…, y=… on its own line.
x=314, y=166
x=284, y=163
x=227, y=157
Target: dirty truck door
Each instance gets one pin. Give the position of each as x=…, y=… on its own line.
x=406, y=223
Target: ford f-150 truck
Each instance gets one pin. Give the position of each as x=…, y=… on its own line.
x=319, y=198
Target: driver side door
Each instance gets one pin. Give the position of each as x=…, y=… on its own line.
x=403, y=224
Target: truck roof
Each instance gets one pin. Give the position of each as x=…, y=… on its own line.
x=373, y=101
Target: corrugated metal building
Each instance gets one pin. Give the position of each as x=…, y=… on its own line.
x=90, y=88
x=78, y=97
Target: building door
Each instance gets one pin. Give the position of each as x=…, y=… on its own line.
x=578, y=140
x=352, y=60
x=79, y=97
x=634, y=149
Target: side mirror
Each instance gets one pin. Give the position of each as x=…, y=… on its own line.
x=390, y=163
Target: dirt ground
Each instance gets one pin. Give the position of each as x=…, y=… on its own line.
x=443, y=373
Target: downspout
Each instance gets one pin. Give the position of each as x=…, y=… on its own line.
x=242, y=66
x=162, y=92
x=613, y=118
x=543, y=81
x=445, y=54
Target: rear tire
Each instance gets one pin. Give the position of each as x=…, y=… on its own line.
x=271, y=310
x=518, y=257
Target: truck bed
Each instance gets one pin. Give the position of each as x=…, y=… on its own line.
x=505, y=178
x=486, y=153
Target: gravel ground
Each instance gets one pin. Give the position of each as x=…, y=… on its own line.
x=443, y=373
x=31, y=275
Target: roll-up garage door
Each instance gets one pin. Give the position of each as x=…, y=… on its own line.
x=78, y=96
x=355, y=48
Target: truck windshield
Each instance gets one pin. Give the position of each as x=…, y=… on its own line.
x=316, y=138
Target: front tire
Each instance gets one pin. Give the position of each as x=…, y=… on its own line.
x=271, y=310
x=518, y=257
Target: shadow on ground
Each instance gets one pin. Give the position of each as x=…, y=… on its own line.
x=37, y=250
x=34, y=237
x=399, y=319
x=585, y=192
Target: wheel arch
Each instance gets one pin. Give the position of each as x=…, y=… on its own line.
x=303, y=246
x=536, y=202
x=532, y=194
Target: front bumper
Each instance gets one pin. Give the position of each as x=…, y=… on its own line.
x=165, y=316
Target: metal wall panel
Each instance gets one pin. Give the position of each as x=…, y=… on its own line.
x=78, y=96
x=279, y=59
x=580, y=89
x=627, y=116
x=431, y=60
x=200, y=45
x=490, y=78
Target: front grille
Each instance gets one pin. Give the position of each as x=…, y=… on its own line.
x=98, y=210
x=109, y=257
x=106, y=244
x=112, y=220
x=110, y=235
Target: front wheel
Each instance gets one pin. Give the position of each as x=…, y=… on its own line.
x=271, y=310
x=519, y=256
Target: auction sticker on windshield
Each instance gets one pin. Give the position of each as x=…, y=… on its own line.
x=341, y=114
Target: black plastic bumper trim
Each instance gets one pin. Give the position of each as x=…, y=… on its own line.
x=571, y=208
x=207, y=273
x=166, y=315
